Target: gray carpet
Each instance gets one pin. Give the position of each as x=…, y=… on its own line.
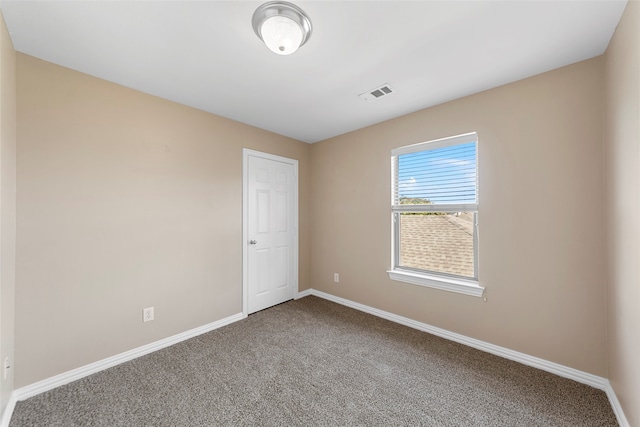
x=315, y=363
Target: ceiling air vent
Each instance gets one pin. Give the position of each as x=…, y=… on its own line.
x=377, y=93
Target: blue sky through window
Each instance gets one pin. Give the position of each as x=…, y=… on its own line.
x=442, y=175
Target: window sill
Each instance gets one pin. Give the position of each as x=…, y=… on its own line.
x=461, y=286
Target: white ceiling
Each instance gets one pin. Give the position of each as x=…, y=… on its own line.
x=204, y=53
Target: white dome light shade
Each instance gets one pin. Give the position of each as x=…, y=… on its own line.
x=282, y=26
x=281, y=34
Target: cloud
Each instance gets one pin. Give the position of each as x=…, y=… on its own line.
x=407, y=185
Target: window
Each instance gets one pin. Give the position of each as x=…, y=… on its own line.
x=435, y=210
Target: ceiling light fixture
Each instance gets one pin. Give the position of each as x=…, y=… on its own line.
x=282, y=26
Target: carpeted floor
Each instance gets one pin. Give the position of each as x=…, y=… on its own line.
x=312, y=362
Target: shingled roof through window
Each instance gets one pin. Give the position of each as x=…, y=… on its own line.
x=442, y=243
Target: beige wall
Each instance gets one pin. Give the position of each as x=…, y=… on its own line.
x=7, y=208
x=541, y=221
x=622, y=165
x=125, y=201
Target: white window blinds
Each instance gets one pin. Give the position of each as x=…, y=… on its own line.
x=436, y=176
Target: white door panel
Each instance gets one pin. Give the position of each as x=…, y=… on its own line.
x=271, y=253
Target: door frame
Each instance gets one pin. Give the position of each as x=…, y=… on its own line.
x=246, y=153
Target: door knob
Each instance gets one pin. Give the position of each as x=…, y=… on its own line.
x=253, y=242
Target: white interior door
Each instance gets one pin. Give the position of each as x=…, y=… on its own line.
x=270, y=231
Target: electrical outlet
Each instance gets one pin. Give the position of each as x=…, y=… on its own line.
x=6, y=367
x=147, y=314
x=336, y=277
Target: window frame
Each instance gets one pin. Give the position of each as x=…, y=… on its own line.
x=432, y=279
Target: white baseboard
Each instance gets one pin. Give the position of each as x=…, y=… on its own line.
x=303, y=294
x=545, y=365
x=8, y=411
x=615, y=405
x=75, y=374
